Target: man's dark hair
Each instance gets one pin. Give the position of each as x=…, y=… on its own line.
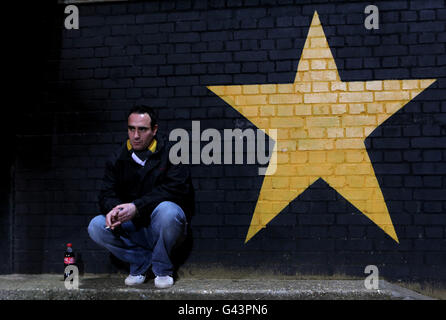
x=141, y=109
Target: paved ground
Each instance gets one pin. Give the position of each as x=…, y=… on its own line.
x=111, y=287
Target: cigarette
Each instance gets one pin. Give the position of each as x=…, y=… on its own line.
x=108, y=227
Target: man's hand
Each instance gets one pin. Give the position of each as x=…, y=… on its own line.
x=120, y=214
x=111, y=218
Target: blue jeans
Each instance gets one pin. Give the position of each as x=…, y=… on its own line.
x=146, y=246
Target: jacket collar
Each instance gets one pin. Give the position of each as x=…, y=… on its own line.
x=156, y=146
x=152, y=146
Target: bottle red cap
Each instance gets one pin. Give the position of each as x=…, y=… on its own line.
x=68, y=244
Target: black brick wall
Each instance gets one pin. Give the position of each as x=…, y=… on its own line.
x=5, y=221
x=165, y=53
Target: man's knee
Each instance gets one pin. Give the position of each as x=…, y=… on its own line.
x=96, y=227
x=168, y=213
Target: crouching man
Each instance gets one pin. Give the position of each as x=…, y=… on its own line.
x=145, y=202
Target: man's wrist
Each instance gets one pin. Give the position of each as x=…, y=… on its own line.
x=136, y=210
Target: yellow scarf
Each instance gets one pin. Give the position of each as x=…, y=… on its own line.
x=152, y=146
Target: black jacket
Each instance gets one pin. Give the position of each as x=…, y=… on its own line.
x=159, y=180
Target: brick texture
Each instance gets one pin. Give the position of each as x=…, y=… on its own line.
x=166, y=54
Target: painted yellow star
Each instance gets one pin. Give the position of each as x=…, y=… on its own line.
x=322, y=123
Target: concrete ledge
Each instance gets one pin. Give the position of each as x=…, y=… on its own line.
x=112, y=287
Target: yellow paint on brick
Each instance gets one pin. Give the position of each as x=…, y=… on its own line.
x=300, y=182
x=321, y=76
x=302, y=87
x=318, y=170
x=232, y=90
x=321, y=125
x=321, y=86
x=338, y=86
x=298, y=133
x=320, y=42
x=338, y=108
x=317, y=156
x=392, y=85
x=410, y=84
x=355, y=181
x=370, y=181
x=283, y=135
x=356, y=86
x=285, y=98
x=251, y=99
x=315, y=144
x=354, y=156
x=304, y=65
x=336, y=156
x=356, y=108
x=316, y=28
x=352, y=132
x=267, y=217
x=391, y=95
x=281, y=182
x=251, y=89
x=320, y=97
x=374, y=85
x=355, y=97
x=283, y=157
x=318, y=64
x=368, y=130
x=392, y=107
x=267, y=111
x=335, y=132
x=317, y=132
x=263, y=122
x=250, y=111
x=413, y=95
x=331, y=65
x=359, y=120
x=321, y=109
x=265, y=206
x=268, y=88
x=322, y=122
x=375, y=107
x=287, y=122
x=359, y=194
x=285, y=110
x=279, y=205
x=380, y=118
x=287, y=145
x=349, y=143
x=424, y=83
x=316, y=54
x=353, y=169
x=301, y=157
x=286, y=88
x=303, y=109
x=336, y=181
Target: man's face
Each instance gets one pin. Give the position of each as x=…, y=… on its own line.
x=140, y=131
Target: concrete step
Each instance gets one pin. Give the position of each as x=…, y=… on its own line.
x=112, y=287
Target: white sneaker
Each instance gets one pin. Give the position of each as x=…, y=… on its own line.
x=163, y=282
x=135, y=280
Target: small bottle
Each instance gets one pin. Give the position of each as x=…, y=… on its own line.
x=68, y=259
